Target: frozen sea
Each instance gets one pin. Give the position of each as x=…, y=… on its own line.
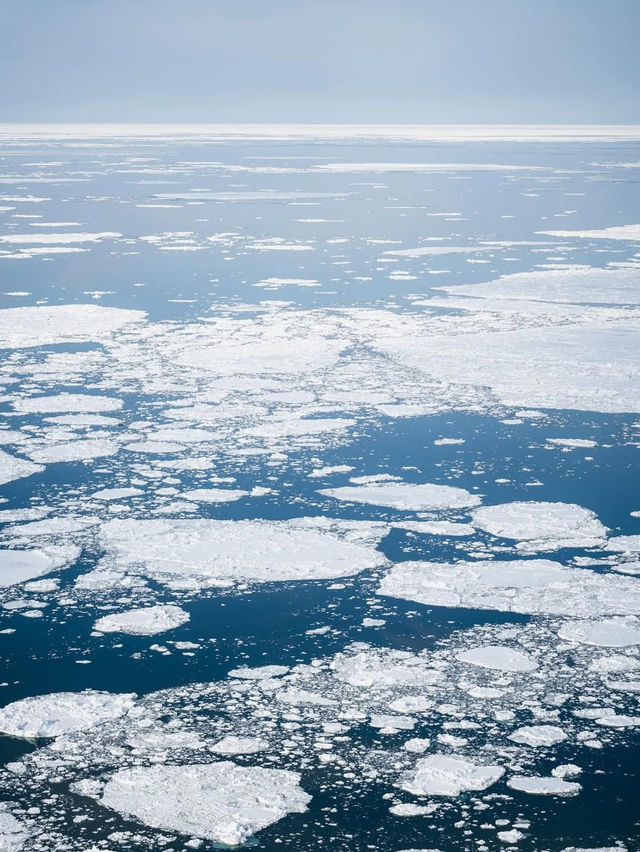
x=319, y=503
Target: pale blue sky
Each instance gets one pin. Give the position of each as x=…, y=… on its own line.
x=423, y=61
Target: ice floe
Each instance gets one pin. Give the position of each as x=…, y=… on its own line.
x=441, y=775
x=221, y=801
x=42, y=325
x=12, y=467
x=534, y=586
x=61, y=712
x=146, y=621
x=542, y=526
x=403, y=495
x=17, y=566
x=499, y=657
x=212, y=551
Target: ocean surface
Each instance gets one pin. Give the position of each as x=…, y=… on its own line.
x=319, y=497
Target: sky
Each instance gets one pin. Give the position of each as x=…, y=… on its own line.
x=347, y=61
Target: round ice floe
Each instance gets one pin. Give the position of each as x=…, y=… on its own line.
x=406, y=496
x=146, y=621
x=499, y=657
x=61, y=712
x=439, y=775
x=538, y=735
x=222, y=802
x=12, y=468
x=606, y=633
x=551, y=525
x=538, y=785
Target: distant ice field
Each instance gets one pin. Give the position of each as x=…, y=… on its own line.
x=319, y=508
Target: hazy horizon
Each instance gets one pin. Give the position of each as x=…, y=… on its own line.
x=414, y=63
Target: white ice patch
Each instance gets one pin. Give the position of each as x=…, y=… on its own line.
x=13, y=834
x=222, y=802
x=62, y=712
x=528, y=366
x=542, y=526
x=239, y=745
x=617, y=232
x=406, y=496
x=12, y=468
x=538, y=735
x=538, y=785
x=383, y=668
x=17, y=566
x=146, y=621
x=440, y=775
x=83, y=450
x=498, y=657
x=577, y=285
x=225, y=551
x=67, y=402
x=531, y=586
x=258, y=672
x=446, y=528
x=214, y=495
x=606, y=633
x=43, y=325
x=57, y=239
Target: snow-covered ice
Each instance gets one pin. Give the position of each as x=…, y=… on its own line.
x=221, y=801
x=146, y=621
x=61, y=712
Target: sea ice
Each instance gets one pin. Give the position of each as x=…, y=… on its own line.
x=16, y=566
x=533, y=586
x=440, y=775
x=42, y=325
x=403, y=495
x=61, y=712
x=222, y=802
x=499, y=657
x=550, y=526
x=67, y=402
x=258, y=551
x=12, y=468
x=539, y=785
x=146, y=621
x=538, y=735
x=606, y=633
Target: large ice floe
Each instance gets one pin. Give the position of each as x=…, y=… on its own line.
x=210, y=552
x=61, y=712
x=42, y=325
x=533, y=586
x=441, y=775
x=542, y=526
x=218, y=801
